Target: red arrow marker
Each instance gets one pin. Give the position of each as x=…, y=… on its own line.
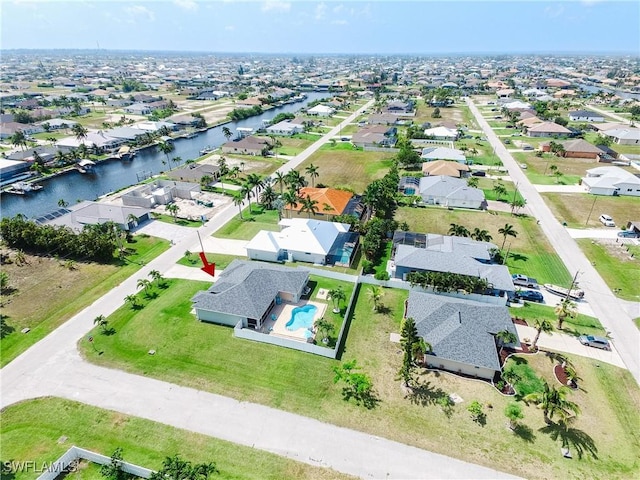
x=209, y=268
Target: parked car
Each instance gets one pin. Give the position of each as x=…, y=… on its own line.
x=524, y=281
x=596, y=342
x=530, y=296
x=628, y=234
x=479, y=173
x=523, y=166
x=526, y=146
x=606, y=220
x=507, y=142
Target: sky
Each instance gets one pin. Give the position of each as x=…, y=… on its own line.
x=301, y=26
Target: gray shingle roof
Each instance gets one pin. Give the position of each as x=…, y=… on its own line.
x=449, y=187
x=460, y=330
x=246, y=289
x=453, y=262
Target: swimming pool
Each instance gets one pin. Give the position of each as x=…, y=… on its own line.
x=301, y=317
x=343, y=255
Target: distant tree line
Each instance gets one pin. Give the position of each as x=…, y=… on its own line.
x=242, y=113
x=448, y=282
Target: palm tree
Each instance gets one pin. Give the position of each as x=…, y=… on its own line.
x=566, y=308
x=553, y=401
x=144, y=283
x=312, y=171
x=157, y=277
x=290, y=199
x=268, y=196
x=19, y=139
x=101, y=322
x=173, y=209
x=336, y=295
x=166, y=148
x=325, y=327
x=458, y=230
x=541, y=325
x=63, y=203
x=133, y=300
x=500, y=190
x=255, y=181
x=238, y=200
x=507, y=231
x=295, y=180
x=80, y=132
x=375, y=294
x=309, y=205
x=472, y=182
x=481, y=235
x=505, y=337
x=227, y=133
x=280, y=178
x=247, y=192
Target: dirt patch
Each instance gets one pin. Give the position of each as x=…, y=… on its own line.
x=615, y=249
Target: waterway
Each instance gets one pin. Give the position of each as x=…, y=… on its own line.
x=113, y=175
x=620, y=93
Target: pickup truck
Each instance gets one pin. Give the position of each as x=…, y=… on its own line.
x=524, y=281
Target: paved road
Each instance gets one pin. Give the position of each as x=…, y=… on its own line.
x=605, y=305
x=53, y=367
x=609, y=114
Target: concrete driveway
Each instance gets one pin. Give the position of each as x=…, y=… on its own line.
x=609, y=233
x=560, y=188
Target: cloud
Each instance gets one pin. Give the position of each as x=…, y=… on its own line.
x=272, y=6
x=338, y=9
x=554, y=11
x=321, y=10
x=136, y=12
x=186, y=4
x=230, y=28
x=339, y=22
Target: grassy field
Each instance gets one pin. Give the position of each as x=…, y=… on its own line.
x=252, y=223
x=607, y=430
x=581, y=325
x=615, y=265
x=538, y=171
x=221, y=260
x=295, y=144
x=487, y=185
x=530, y=252
x=31, y=431
x=342, y=166
x=183, y=222
x=61, y=292
x=574, y=208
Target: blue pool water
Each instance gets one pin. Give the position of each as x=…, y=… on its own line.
x=343, y=254
x=301, y=317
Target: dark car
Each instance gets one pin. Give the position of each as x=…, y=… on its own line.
x=530, y=296
x=479, y=173
x=628, y=234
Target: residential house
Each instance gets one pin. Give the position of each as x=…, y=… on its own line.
x=57, y=124
x=160, y=192
x=462, y=333
x=330, y=202
x=128, y=134
x=247, y=291
x=446, y=168
x=97, y=213
x=99, y=139
x=375, y=136
x=321, y=111
x=399, y=108
x=505, y=93
x=300, y=239
x=138, y=109
x=450, y=192
x=547, y=129
x=442, y=133
x=624, y=136
x=585, y=116
x=382, y=119
x=285, y=128
x=443, y=153
x=247, y=146
x=8, y=129
x=576, y=148
x=193, y=172
x=611, y=181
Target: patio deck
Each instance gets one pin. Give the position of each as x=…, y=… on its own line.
x=282, y=314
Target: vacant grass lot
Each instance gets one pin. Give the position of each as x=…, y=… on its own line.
x=209, y=358
x=615, y=266
x=31, y=432
x=574, y=208
x=221, y=260
x=538, y=168
x=295, y=144
x=252, y=222
x=343, y=166
x=487, y=185
x=530, y=252
x=60, y=292
x=581, y=325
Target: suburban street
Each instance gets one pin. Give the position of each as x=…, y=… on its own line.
x=53, y=367
x=606, y=307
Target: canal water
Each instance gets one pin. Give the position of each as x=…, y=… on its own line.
x=113, y=175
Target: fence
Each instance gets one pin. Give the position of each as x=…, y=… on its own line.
x=367, y=148
x=76, y=453
x=424, y=142
x=249, y=334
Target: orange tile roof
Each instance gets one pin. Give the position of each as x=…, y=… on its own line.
x=336, y=200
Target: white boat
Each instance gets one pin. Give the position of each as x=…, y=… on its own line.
x=207, y=149
x=575, y=293
x=22, y=188
x=85, y=166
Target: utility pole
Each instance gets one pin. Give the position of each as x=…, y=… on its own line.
x=573, y=283
x=595, y=197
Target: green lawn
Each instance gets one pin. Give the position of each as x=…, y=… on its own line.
x=581, y=325
x=487, y=185
x=530, y=252
x=31, y=431
x=44, y=278
x=574, y=208
x=183, y=222
x=538, y=169
x=221, y=260
x=251, y=224
x=615, y=266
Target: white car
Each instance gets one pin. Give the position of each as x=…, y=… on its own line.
x=523, y=166
x=606, y=220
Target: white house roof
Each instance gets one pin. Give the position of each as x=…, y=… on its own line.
x=443, y=153
x=609, y=177
x=321, y=109
x=301, y=235
x=441, y=132
x=99, y=139
x=517, y=104
x=624, y=133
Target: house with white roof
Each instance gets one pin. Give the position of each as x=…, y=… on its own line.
x=321, y=111
x=585, y=116
x=285, y=128
x=624, y=136
x=443, y=153
x=442, y=133
x=99, y=139
x=611, y=181
x=302, y=240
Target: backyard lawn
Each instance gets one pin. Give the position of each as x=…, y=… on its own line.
x=574, y=208
x=193, y=260
x=210, y=358
x=615, y=265
x=32, y=431
x=530, y=253
x=61, y=292
x=581, y=325
x=247, y=227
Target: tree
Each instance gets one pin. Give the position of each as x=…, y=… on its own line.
x=412, y=348
x=145, y=284
x=458, y=230
x=472, y=182
x=513, y=412
x=291, y=199
x=173, y=209
x=166, y=148
x=309, y=205
x=505, y=337
x=206, y=180
x=517, y=204
x=63, y=203
x=541, y=325
x=324, y=327
x=337, y=295
x=175, y=468
x=477, y=414
x=222, y=165
x=312, y=171
x=133, y=300
x=357, y=385
x=280, y=179
x=157, y=277
x=480, y=235
x=375, y=294
x=500, y=190
x=238, y=200
x=436, y=113
x=553, y=401
x=80, y=132
x=507, y=231
x=19, y=139
x=566, y=308
x=268, y=196
x=101, y=322
x=246, y=192
x=227, y=133
x=113, y=470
